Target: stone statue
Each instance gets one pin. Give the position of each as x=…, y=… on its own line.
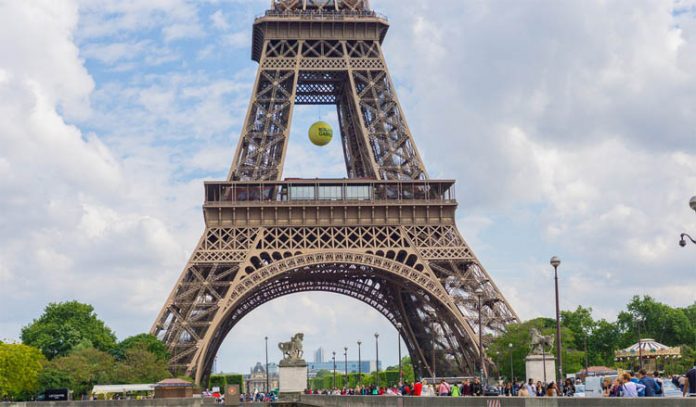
x=540, y=342
x=292, y=351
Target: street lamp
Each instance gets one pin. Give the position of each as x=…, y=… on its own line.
x=345, y=360
x=512, y=373
x=401, y=374
x=267, y=383
x=555, y=262
x=359, y=364
x=432, y=333
x=638, y=321
x=684, y=236
x=479, y=294
x=377, y=357
x=334, y=369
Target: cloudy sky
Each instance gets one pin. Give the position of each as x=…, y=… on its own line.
x=570, y=127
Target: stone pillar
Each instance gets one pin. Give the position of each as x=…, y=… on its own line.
x=535, y=368
x=292, y=377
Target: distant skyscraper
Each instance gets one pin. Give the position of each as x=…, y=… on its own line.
x=319, y=356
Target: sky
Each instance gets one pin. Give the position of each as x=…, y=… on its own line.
x=570, y=128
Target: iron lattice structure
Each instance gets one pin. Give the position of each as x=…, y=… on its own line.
x=385, y=236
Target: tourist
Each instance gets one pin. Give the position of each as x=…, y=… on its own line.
x=466, y=388
x=606, y=387
x=523, y=392
x=552, y=390
x=531, y=390
x=417, y=388
x=630, y=388
x=507, y=390
x=660, y=388
x=690, y=382
x=568, y=388
x=443, y=389
x=540, y=392
x=477, y=388
x=648, y=382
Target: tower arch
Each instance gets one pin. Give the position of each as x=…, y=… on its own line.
x=266, y=237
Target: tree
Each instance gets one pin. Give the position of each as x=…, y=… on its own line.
x=665, y=324
x=149, y=342
x=65, y=325
x=79, y=371
x=519, y=336
x=406, y=367
x=139, y=365
x=20, y=366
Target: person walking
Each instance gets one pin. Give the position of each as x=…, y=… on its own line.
x=466, y=388
x=568, y=388
x=629, y=388
x=523, y=392
x=443, y=389
x=690, y=382
x=476, y=388
x=648, y=382
x=530, y=388
x=456, y=392
x=540, y=391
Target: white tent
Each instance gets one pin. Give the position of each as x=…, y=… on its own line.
x=121, y=388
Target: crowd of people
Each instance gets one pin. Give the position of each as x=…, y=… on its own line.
x=642, y=384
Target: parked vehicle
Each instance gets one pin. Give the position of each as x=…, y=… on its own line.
x=579, y=390
x=670, y=390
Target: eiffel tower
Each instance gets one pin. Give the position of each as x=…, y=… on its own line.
x=385, y=236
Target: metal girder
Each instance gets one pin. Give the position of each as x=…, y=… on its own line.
x=386, y=238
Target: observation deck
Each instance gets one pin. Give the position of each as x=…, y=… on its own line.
x=320, y=20
x=329, y=202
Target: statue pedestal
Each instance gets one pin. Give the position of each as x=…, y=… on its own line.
x=292, y=377
x=535, y=368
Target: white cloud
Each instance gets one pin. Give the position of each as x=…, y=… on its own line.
x=569, y=128
x=219, y=20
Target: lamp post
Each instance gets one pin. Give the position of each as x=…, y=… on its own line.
x=555, y=262
x=684, y=236
x=587, y=357
x=543, y=361
x=345, y=361
x=398, y=336
x=334, y=369
x=267, y=383
x=377, y=357
x=359, y=364
x=479, y=294
x=432, y=332
x=512, y=373
x=639, y=321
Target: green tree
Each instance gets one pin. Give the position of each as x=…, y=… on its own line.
x=79, y=371
x=519, y=336
x=65, y=325
x=20, y=366
x=603, y=342
x=406, y=367
x=140, y=365
x=659, y=321
x=149, y=342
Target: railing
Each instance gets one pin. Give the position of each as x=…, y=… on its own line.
x=323, y=14
x=295, y=191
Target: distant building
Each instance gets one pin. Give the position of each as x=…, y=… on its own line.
x=366, y=366
x=319, y=356
x=256, y=380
